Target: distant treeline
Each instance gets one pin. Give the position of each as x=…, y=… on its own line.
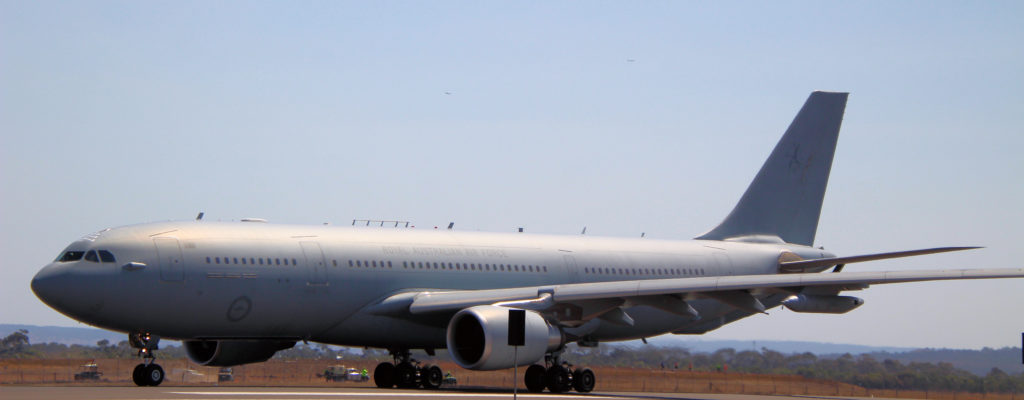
x=864, y=370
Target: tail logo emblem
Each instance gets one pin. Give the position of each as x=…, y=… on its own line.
x=798, y=166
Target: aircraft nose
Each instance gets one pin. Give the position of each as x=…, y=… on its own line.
x=49, y=283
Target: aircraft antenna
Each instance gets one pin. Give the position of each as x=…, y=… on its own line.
x=380, y=223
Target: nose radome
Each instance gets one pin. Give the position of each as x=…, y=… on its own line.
x=47, y=285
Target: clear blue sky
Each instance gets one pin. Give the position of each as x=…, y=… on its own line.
x=114, y=113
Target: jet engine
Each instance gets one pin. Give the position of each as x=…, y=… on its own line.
x=478, y=338
x=807, y=303
x=227, y=353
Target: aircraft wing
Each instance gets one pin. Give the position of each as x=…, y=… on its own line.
x=668, y=294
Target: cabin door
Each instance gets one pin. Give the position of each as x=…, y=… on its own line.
x=723, y=264
x=572, y=268
x=168, y=253
x=315, y=262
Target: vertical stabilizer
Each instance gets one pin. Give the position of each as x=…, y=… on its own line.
x=785, y=197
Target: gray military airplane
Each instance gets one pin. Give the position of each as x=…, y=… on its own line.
x=237, y=292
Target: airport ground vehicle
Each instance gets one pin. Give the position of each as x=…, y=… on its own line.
x=225, y=375
x=89, y=372
x=449, y=380
x=340, y=373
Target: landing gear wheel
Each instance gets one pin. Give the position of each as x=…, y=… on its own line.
x=384, y=375
x=405, y=375
x=139, y=375
x=558, y=379
x=432, y=377
x=154, y=375
x=583, y=380
x=534, y=378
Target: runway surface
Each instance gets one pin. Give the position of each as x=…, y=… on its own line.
x=292, y=393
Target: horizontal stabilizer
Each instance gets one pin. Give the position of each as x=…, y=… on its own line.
x=804, y=265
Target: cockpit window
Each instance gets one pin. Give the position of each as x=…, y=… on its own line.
x=106, y=256
x=71, y=255
x=91, y=256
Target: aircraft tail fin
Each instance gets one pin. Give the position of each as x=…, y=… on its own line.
x=785, y=198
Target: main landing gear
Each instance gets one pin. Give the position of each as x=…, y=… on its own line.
x=559, y=377
x=149, y=373
x=407, y=373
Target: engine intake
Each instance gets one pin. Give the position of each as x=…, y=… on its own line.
x=478, y=338
x=228, y=353
x=807, y=303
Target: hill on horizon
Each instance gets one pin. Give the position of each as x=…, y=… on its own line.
x=781, y=346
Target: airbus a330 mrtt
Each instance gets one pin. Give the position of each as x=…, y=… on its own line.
x=237, y=292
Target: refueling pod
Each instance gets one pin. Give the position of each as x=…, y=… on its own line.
x=808, y=303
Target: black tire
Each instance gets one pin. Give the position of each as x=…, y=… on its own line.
x=405, y=376
x=558, y=379
x=534, y=378
x=431, y=377
x=154, y=375
x=384, y=375
x=138, y=375
x=583, y=380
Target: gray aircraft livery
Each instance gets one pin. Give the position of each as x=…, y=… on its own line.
x=238, y=292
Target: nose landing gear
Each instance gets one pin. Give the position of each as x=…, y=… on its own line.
x=149, y=373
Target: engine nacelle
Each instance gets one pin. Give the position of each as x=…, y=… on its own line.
x=807, y=303
x=478, y=338
x=228, y=353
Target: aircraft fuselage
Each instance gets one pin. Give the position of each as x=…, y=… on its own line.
x=232, y=280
